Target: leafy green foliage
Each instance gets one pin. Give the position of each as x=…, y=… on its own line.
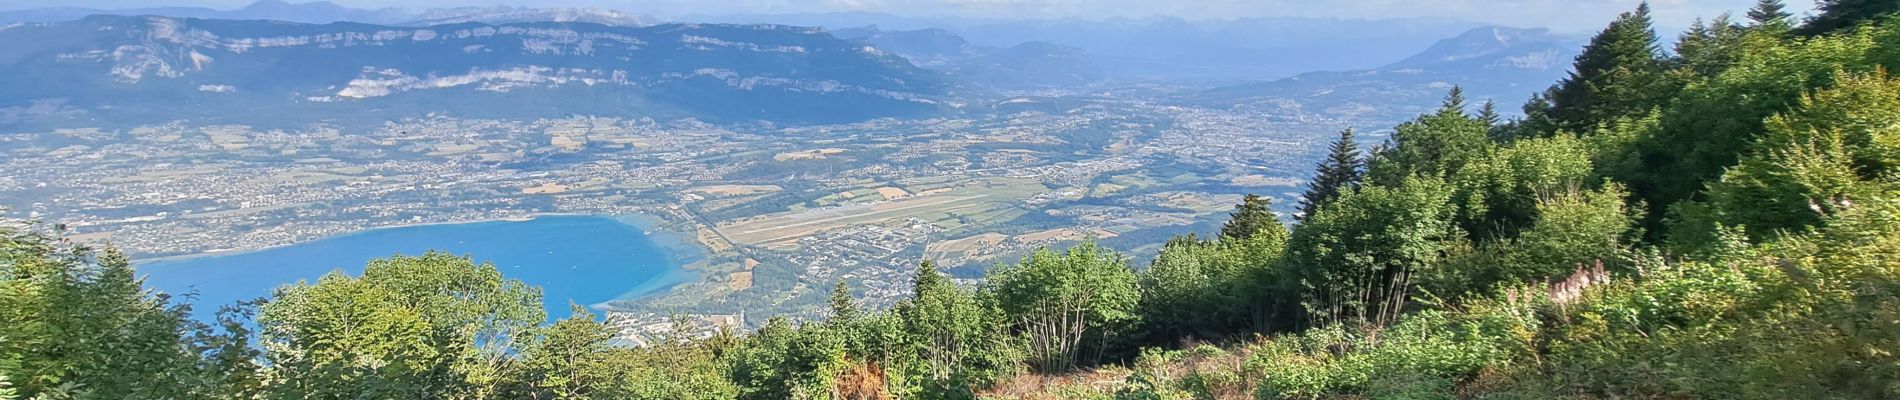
x=413, y=327
x=1497, y=195
x=1211, y=289
x=959, y=338
x=7, y=392
x=1419, y=356
x=1067, y=305
x=1710, y=125
x=229, y=354
x=1838, y=145
x=784, y=361
x=1434, y=145
x=568, y=359
x=1475, y=260
x=1356, y=258
x=1573, y=229
x=74, y=322
x=575, y=358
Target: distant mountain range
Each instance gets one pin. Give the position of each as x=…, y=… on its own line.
x=929, y=47
x=1028, y=65
x=1504, y=64
x=117, y=68
x=323, y=12
x=1170, y=47
x=277, y=10
x=510, y=15
x=274, y=60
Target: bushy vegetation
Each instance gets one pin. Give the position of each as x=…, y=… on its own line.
x=1718, y=221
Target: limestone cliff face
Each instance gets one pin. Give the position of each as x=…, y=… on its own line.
x=713, y=71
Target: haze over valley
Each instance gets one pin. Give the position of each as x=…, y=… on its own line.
x=792, y=156
x=949, y=199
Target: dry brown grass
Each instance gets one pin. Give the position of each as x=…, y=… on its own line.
x=862, y=381
x=1219, y=375
x=791, y=226
x=565, y=142
x=891, y=192
x=1052, y=235
x=970, y=244
x=545, y=188
x=1262, y=180
x=101, y=237
x=741, y=280
x=818, y=154
x=735, y=190
x=712, y=240
x=1222, y=376
x=1054, y=387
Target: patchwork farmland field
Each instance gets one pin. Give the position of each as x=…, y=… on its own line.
x=947, y=208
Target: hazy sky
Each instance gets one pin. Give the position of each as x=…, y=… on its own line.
x=1568, y=15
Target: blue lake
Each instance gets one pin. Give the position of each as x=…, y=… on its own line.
x=586, y=260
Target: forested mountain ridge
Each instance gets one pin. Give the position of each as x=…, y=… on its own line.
x=1492, y=62
x=1027, y=65
x=316, y=12
x=1167, y=46
x=122, y=68
x=1721, y=220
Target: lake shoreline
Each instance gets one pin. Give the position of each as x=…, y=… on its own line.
x=648, y=224
x=682, y=259
x=689, y=258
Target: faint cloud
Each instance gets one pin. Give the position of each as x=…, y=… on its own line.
x=1565, y=15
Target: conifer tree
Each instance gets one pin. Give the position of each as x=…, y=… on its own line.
x=927, y=278
x=1340, y=172
x=841, y=307
x=1498, y=129
x=1619, y=74
x=1537, y=120
x=1709, y=48
x=1455, y=100
x=1837, y=15
x=1769, y=13
x=1252, y=216
x=1489, y=114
